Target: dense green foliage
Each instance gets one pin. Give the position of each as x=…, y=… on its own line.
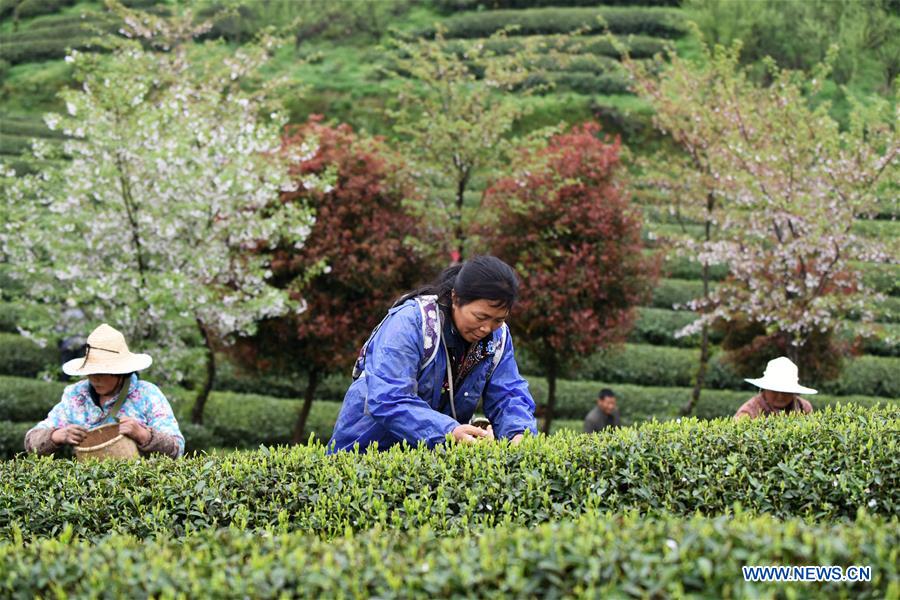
x=584, y=557
x=660, y=22
x=451, y=6
x=21, y=357
x=638, y=403
x=866, y=31
x=823, y=466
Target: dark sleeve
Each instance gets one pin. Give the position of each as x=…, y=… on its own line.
x=161, y=443
x=615, y=419
x=590, y=423
x=38, y=440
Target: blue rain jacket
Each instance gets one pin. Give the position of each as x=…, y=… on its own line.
x=391, y=401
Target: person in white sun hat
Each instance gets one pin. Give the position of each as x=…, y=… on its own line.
x=111, y=392
x=778, y=387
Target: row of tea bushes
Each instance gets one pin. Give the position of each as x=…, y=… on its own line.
x=649, y=365
x=663, y=366
x=21, y=357
x=596, y=556
x=823, y=466
x=251, y=419
x=672, y=292
x=642, y=403
x=881, y=277
x=638, y=46
x=451, y=6
x=658, y=326
x=657, y=22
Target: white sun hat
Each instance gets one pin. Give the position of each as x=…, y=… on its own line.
x=781, y=376
x=107, y=354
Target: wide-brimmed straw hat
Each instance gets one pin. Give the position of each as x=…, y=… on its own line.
x=106, y=354
x=781, y=376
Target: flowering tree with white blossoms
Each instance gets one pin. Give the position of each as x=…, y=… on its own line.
x=172, y=177
x=783, y=185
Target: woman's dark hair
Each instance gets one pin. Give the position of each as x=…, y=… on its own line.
x=479, y=278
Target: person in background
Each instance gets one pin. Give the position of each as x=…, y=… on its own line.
x=439, y=350
x=110, y=391
x=605, y=414
x=778, y=387
x=71, y=340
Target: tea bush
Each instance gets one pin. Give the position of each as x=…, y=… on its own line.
x=450, y=6
x=21, y=357
x=12, y=438
x=639, y=46
x=641, y=403
x=821, y=466
x=595, y=556
x=657, y=22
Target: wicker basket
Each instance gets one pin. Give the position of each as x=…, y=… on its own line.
x=106, y=442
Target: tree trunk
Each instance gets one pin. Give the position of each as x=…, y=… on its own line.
x=551, y=396
x=461, y=184
x=299, y=427
x=692, y=402
x=203, y=395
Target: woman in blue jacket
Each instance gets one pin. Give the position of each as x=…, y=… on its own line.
x=440, y=350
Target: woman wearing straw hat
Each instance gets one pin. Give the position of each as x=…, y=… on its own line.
x=779, y=387
x=111, y=392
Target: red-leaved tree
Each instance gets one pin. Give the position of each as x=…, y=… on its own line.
x=358, y=238
x=568, y=228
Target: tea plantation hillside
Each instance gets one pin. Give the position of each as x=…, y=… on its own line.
x=664, y=507
x=342, y=72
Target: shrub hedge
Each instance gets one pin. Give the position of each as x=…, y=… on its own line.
x=450, y=6
x=581, y=83
x=868, y=375
x=657, y=326
x=30, y=128
x=670, y=293
x=676, y=292
x=639, y=46
x=12, y=438
x=663, y=366
x=884, y=278
x=642, y=403
x=9, y=316
x=821, y=466
x=595, y=556
x=25, y=9
x=248, y=420
x=27, y=400
x=884, y=342
x=16, y=52
x=21, y=357
x=657, y=22
x=645, y=364
x=231, y=379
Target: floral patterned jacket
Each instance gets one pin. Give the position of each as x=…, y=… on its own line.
x=144, y=402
